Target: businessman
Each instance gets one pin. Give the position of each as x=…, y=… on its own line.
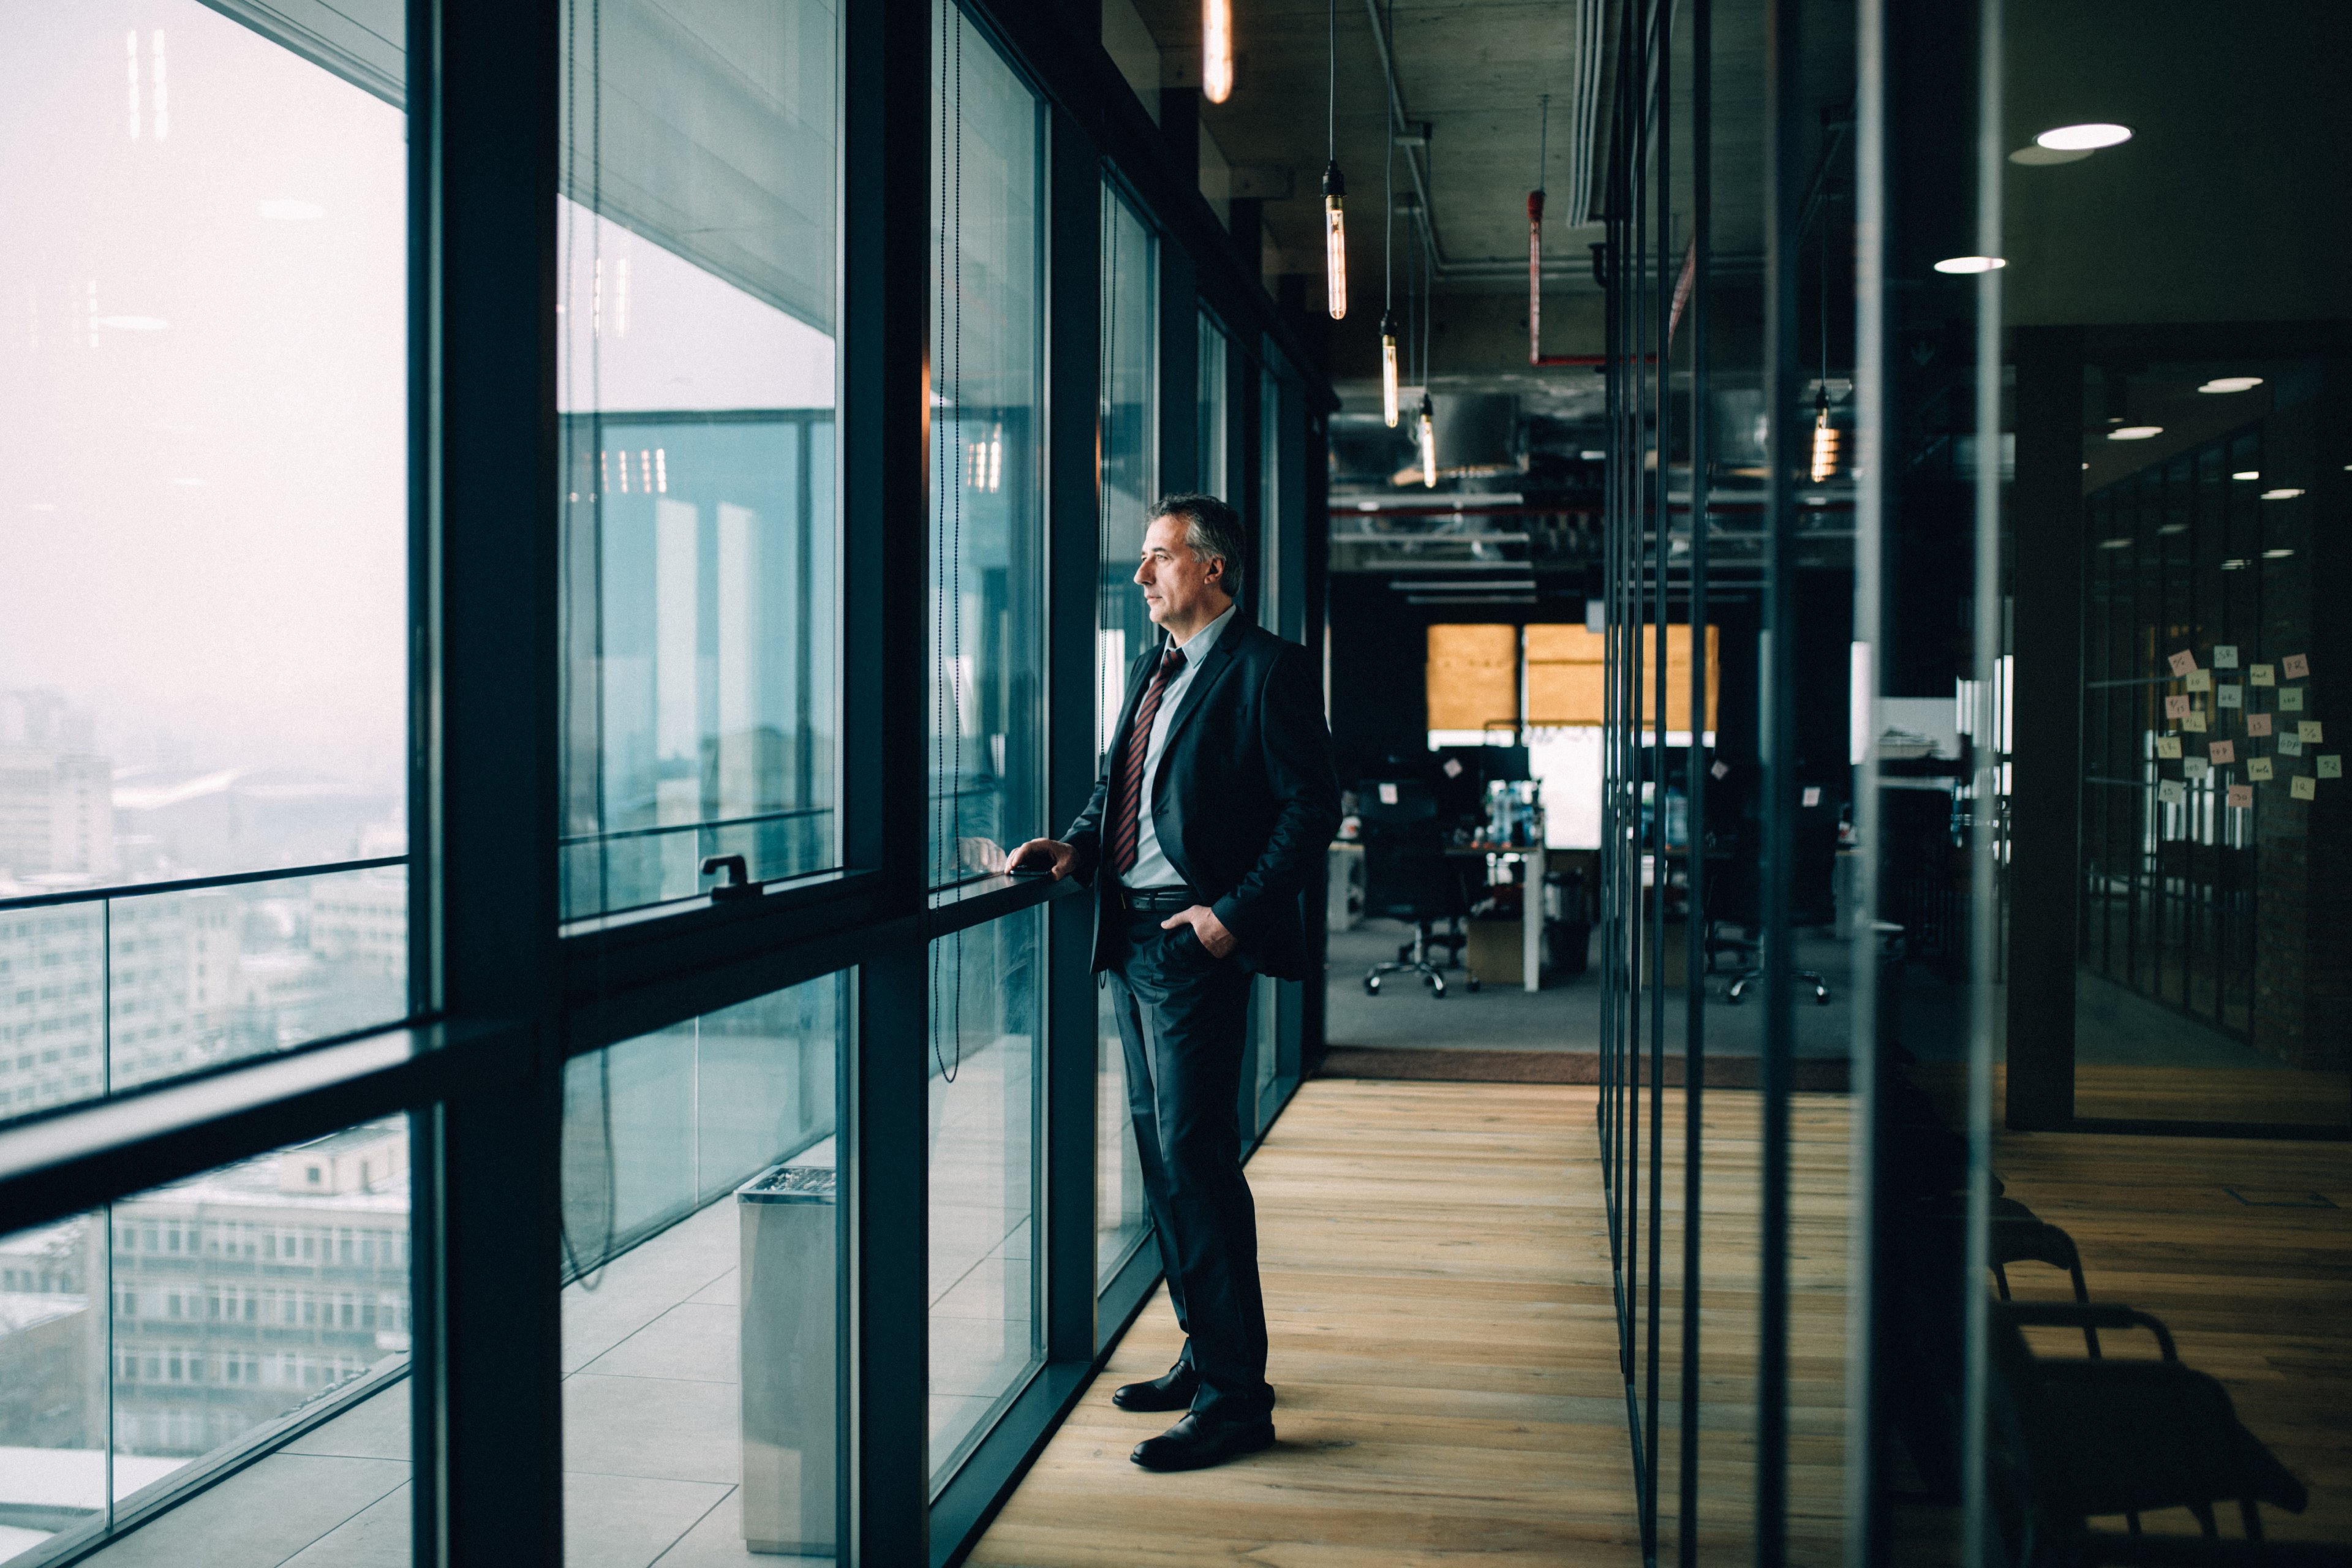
x=1217, y=800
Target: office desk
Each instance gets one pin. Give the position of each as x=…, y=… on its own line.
x=1530, y=902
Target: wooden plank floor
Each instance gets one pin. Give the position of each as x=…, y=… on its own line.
x=1437, y=1267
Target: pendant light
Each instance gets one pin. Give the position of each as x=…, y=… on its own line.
x=1534, y=233
x=1216, y=49
x=1825, y=435
x=1388, y=261
x=1335, y=189
x=1428, y=444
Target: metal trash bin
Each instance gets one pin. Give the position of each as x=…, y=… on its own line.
x=790, y=1252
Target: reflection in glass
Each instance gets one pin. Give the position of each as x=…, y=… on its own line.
x=1121, y=1220
x=986, y=513
x=203, y=646
x=1215, y=413
x=987, y=1023
x=53, y=1383
x=701, y=1261
x=696, y=380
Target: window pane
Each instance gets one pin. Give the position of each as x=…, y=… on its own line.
x=203, y=616
x=695, y=240
x=244, y=1336
x=1215, y=413
x=987, y=607
x=701, y=1254
x=987, y=1025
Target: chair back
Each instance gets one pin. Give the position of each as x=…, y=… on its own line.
x=1406, y=873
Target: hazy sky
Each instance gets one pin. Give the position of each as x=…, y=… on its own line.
x=202, y=389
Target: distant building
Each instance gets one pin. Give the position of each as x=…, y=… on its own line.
x=56, y=814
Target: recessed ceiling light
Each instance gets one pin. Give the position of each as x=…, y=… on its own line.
x=2231, y=384
x=2043, y=157
x=2236, y=564
x=2134, y=432
x=2114, y=545
x=2247, y=474
x=2084, y=138
x=2174, y=528
x=2282, y=493
x=2276, y=554
x=1970, y=264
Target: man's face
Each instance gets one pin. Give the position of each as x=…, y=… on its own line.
x=1182, y=592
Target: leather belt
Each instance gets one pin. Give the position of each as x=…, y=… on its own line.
x=1157, y=901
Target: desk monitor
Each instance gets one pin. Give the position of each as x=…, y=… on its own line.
x=1465, y=771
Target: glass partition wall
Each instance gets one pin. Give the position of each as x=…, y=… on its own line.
x=585, y=771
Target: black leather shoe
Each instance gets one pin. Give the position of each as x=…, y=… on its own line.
x=1193, y=1444
x=1172, y=1390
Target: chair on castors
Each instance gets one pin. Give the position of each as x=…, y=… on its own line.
x=1408, y=877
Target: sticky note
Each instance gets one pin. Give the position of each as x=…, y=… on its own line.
x=2263, y=674
x=1387, y=795
x=2257, y=723
x=2194, y=721
x=1812, y=796
x=2229, y=694
x=1453, y=767
x=2222, y=751
x=2290, y=745
x=2331, y=766
x=2225, y=655
x=2294, y=666
x=2176, y=707
x=1721, y=770
x=2309, y=730
x=2303, y=787
x=2200, y=680
x=2167, y=745
x=2290, y=699
x=2196, y=768
x=2258, y=767
x=2182, y=662
x=2242, y=796
x=2172, y=791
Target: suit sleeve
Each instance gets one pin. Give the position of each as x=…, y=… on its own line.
x=1085, y=832
x=1296, y=745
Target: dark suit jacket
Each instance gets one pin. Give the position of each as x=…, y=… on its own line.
x=1245, y=800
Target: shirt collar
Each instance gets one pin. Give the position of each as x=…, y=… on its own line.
x=1205, y=639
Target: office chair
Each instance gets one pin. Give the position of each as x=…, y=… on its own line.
x=1734, y=897
x=1408, y=877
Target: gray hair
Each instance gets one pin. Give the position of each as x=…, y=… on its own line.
x=1213, y=530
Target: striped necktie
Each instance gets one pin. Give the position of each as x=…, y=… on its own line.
x=1127, y=788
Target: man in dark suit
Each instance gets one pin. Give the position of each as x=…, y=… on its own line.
x=1216, y=801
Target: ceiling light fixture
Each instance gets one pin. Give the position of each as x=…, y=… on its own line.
x=2247, y=474
x=1216, y=49
x=2114, y=545
x=1534, y=233
x=2282, y=493
x=1388, y=267
x=1428, y=444
x=2084, y=138
x=2236, y=564
x=2134, y=432
x=2231, y=384
x=1967, y=264
x=1335, y=187
x=2276, y=554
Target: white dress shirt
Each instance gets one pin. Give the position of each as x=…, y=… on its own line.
x=1152, y=869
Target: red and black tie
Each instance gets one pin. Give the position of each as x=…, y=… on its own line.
x=1127, y=788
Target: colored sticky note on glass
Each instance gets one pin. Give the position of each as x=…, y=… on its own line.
x=2290, y=699
x=2194, y=721
x=2296, y=666
x=2290, y=745
x=2172, y=791
x=2225, y=655
x=2182, y=662
x=2196, y=768
x=2222, y=751
x=2257, y=723
x=2242, y=796
x=2263, y=674
x=2229, y=694
x=2167, y=745
x=2258, y=767
x=2330, y=766
x=2303, y=787
x=2200, y=680
x=2310, y=730
x=2176, y=707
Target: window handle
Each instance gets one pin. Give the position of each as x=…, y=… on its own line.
x=737, y=884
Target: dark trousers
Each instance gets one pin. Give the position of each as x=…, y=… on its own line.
x=1183, y=1017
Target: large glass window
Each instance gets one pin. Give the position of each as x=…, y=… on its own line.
x=695, y=378
x=203, y=616
x=701, y=1233
x=1130, y=422
x=987, y=610
x=151, y=1344
x=987, y=1039
x=1215, y=434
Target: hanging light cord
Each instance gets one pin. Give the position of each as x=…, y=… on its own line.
x=1388, y=210
x=1331, y=83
